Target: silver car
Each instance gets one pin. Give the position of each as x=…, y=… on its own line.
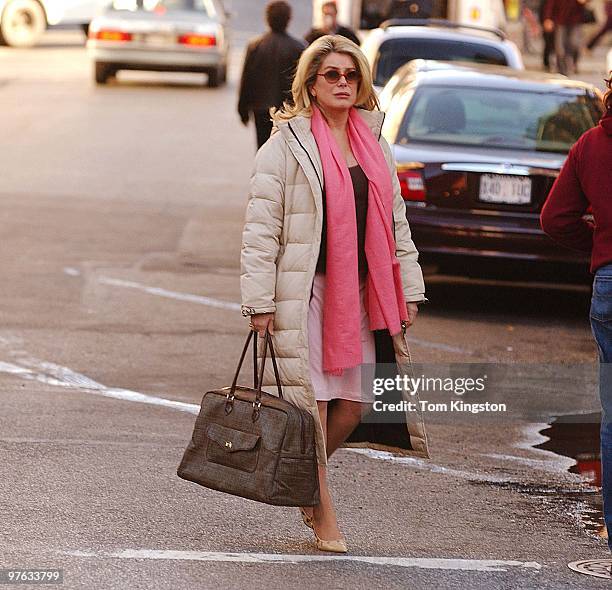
x=161, y=35
x=399, y=41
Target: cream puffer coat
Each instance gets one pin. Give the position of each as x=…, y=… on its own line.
x=280, y=247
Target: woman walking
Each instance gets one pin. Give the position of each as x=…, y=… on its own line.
x=584, y=182
x=328, y=266
x=605, y=28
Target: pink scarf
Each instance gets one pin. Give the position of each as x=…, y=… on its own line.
x=384, y=296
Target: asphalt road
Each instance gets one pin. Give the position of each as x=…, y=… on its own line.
x=120, y=226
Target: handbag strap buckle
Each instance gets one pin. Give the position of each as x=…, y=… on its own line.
x=256, y=411
x=229, y=403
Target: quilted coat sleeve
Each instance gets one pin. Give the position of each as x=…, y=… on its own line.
x=262, y=228
x=406, y=252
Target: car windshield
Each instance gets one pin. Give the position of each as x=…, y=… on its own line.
x=205, y=6
x=394, y=53
x=547, y=122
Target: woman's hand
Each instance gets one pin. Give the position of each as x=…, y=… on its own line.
x=412, y=309
x=262, y=321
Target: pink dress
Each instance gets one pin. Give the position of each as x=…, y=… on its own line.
x=355, y=383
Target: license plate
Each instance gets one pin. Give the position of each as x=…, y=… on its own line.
x=159, y=39
x=511, y=190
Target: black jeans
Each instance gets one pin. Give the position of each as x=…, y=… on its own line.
x=549, y=47
x=606, y=28
x=263, y=126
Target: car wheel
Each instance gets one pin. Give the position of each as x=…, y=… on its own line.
x=223, y=74
x=213, y=78
x=23, y=23
x=102, y=72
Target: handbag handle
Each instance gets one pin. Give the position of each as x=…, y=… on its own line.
x=257, y=380
x=268, y=342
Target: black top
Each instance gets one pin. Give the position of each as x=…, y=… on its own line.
x=360, y=190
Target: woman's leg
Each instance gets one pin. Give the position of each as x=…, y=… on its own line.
x=325, y=522
x=606, y=28
x=343, y=417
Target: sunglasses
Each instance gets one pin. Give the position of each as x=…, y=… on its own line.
x=333, y=76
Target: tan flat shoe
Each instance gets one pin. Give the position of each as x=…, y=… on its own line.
x=308, y=520
x=333, y=545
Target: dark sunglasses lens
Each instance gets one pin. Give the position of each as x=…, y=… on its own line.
x=332, y=76
x=353, y=76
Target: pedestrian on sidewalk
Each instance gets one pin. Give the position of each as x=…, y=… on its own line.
x=565, y=18
x=268, y=70
x=330, y=25
x=328, y=266
x=605, y=28
x=548, y=36
x=584, y=182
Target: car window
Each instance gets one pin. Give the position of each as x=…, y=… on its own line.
x=394, y=53
x=498, y=118
x=206, y=6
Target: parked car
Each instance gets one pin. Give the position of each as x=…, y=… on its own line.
x=23, y=22
x=161, y=35
x=478, y=149
x=410, y=70
x=399, y=41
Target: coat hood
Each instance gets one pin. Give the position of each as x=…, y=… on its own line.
x=606, y=122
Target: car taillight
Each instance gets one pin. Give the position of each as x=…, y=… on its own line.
x=412, y=183
x=199, y=40
x=110, y=35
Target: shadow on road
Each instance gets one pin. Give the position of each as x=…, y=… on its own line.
x=515, y=301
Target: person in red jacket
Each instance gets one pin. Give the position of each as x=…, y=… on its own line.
x=585, y=181
x=565, y=17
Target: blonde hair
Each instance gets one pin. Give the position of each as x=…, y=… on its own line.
x=306, y=76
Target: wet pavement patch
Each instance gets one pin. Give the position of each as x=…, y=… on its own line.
x=577, y=437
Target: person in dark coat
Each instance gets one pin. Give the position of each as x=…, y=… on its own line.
x=565, y=18
x=584, y=183
x=331, y=26
x=268, y=70
x=547, y=36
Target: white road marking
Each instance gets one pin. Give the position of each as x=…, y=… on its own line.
x=48, y=373
x=56, y=375
x=426, y=465
x=543, y=464
x=212, y=302
x=209, y=301
x=480, y=565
